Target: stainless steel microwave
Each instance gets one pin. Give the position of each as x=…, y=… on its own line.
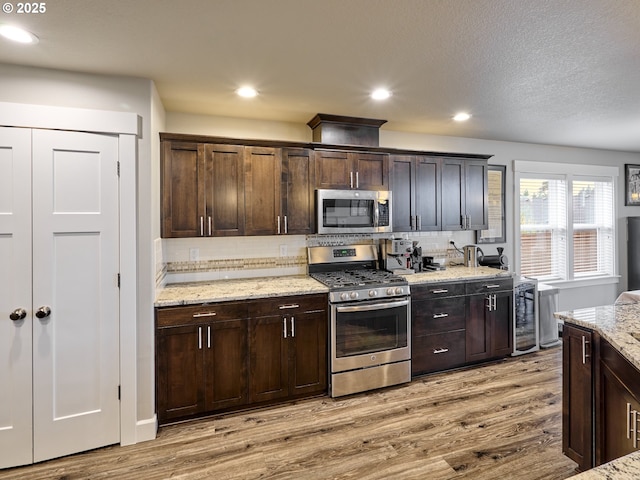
x=353, y=211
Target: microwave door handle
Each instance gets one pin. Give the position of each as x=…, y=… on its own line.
x=369, y=307
x=376, y=214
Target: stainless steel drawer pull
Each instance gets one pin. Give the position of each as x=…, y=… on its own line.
x=493, y=285
x=440, y=315
x=285, y=307
x=440, y=290
x=204, y=314
x=440, y=350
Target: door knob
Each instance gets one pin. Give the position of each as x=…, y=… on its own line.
x=43, y=312
x=18, y=314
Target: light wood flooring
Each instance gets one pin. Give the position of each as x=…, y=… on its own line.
x=499, y=421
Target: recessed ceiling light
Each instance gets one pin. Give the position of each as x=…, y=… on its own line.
x=17, y=34
x=247, y=92
x=462, y=117
x=380, y=94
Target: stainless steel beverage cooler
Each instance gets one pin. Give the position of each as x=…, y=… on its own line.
x=526, y=325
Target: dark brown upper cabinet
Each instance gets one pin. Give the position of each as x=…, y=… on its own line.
x=465, y=194
x=352, y=170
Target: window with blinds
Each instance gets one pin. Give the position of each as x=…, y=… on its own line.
x=566, y=226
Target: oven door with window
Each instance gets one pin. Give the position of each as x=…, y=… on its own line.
x=369, y=333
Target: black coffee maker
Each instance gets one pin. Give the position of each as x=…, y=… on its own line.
x=416, y=258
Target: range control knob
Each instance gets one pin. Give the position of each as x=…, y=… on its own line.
x=373, y=293
x=344, y=296
x=354, y=295
x=399, y=291
x=390, y=291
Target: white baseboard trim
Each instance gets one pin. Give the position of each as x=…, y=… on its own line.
x=145, y=430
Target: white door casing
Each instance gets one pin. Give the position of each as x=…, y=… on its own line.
x=15, y=293
x=75, y=275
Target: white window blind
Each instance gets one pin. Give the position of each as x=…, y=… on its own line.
x=567, y=227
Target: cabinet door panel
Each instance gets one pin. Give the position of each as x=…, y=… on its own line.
x=180, y=378
x=268, y=359
x=502, y=325
x=478, y=330
x=224, y=190
x=227, y=358
x=333, y=169
x=308, y=373
x=262, y=169
x=371, y=171
x=577, y=397
x=182, y=189
x=403, y=193
x=298, y=179
x=427, y=194
x=452, y=194
x=477, y=195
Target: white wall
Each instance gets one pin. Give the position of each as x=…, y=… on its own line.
x=71, y=89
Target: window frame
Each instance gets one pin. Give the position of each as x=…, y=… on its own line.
x=531, y=169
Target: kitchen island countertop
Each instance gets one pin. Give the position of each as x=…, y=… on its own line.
x=619, y=324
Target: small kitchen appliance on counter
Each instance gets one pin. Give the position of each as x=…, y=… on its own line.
x=396, y=255
x=370, y=319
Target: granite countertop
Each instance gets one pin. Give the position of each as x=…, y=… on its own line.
x=456, y=273
x=237, y=289
x=617, y=324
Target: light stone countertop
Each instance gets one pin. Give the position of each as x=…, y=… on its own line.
x=455, y=273
x=617, y=324
x=237, y=289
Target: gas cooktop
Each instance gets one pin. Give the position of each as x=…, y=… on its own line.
x=350, y=279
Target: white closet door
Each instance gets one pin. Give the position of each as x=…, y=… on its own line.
x=75, y=267
x=15, y=293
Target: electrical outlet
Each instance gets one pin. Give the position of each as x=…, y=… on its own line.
x=283, y=250
x=194, y=254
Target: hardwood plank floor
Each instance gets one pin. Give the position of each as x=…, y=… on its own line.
x=502, y=420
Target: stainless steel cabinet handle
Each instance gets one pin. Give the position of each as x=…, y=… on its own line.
x=284, y=329
x=492, y=285
x=43, y=312
x=351, y=179
x=204, y=314
x=634, y=429
x=585, y=342
x=293, y=326
x=199, y=338
x=440, y=315
x=495, y=302
x=18, y=314
x=286, y=227
x=419, y=222
x=357, y=180
x=278, y=224
x=440, y=350
x=291, y=305
x=202, y=226
x=209, y=225
x=440, y=290
x=209, y=336
x=628, y=421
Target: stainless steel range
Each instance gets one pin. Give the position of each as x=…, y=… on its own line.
x=370, y=334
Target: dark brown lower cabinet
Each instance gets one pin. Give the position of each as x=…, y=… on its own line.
x=201, y=359
x=437, y=328
x=229, y=355
x=489, y=325
x=618, y=415
x=288, y=347
x=577, y=395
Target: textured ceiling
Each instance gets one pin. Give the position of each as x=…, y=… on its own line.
x=564, y=72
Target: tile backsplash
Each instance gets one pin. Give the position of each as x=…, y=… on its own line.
x=179, y=260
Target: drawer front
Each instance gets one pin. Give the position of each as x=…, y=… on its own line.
x=437, y=316
x=489, y=285
x=173, y=316
x=437, y=290
x=433, y=353
x=288, y=305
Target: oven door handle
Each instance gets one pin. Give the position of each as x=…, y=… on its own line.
x=371, y=306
